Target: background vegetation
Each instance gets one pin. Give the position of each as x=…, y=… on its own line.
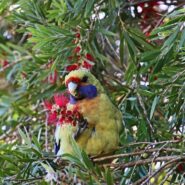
x=139, y=52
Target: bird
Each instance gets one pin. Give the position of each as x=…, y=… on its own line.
x=98, y=128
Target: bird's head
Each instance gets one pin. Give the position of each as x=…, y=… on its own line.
x=82, y=84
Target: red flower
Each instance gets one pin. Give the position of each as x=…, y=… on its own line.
x=89, y=57
x=47, y=105
x=86, y=65
x=77, y=49
x=69, y=113
x=72, y=67
x=61, y=100
x=155, y=77
x=69, y=119
x=52, y=117
x=77, y=35
x=147, y=34
x=5, y=63
x=78, y=58
x=61, y=120
x=181, y=168
x=77, y=115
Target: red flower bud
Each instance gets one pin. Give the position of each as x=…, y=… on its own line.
x=86, y=65
x=5, y=63
x=69, y=113
x=77, y=49
x=72, y=67
x=77, y=35
x=89, y=57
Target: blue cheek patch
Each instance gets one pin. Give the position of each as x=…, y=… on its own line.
x=88, y=91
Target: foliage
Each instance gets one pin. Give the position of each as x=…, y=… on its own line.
x=144, y=75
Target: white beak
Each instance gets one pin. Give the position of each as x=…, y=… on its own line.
x=72, y=87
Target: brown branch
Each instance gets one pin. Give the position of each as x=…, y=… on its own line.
x=25, y=180
x=154, y=143
x=146, y=161
x=98, y=159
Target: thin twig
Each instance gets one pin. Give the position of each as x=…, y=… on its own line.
x=24, y=180
x=98, y=159
x=156, y=155
x=112, y=49
x=138, y=182
x=170, y=161
x=145, y=161
x=46, y=133
x=154, y=143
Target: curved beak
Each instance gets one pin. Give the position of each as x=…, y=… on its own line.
x=72, y=87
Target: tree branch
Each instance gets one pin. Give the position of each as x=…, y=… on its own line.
x=146, y=161
x=136, y=153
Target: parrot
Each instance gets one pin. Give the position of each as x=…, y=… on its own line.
x=97, y=131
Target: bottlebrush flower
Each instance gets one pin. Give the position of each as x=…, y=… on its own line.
x=61, y=100
x=47, y=105
x=57, y=112
x=52, y=117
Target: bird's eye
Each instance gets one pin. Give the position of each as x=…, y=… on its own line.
x=84, y=79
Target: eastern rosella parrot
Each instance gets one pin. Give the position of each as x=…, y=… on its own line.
x=97, y=131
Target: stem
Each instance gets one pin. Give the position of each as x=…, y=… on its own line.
x=146, y=161
x=136, y=153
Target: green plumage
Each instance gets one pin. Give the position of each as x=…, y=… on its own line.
x=103, y=118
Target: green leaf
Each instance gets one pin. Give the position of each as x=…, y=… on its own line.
x=87, y=161
x=89, y=7
x=25, y=137
x=155, y=101
x=182, y=40
x=131, y=70
x=172, y=37
x=109, y=178
x=131, y=46
x=107, y=32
